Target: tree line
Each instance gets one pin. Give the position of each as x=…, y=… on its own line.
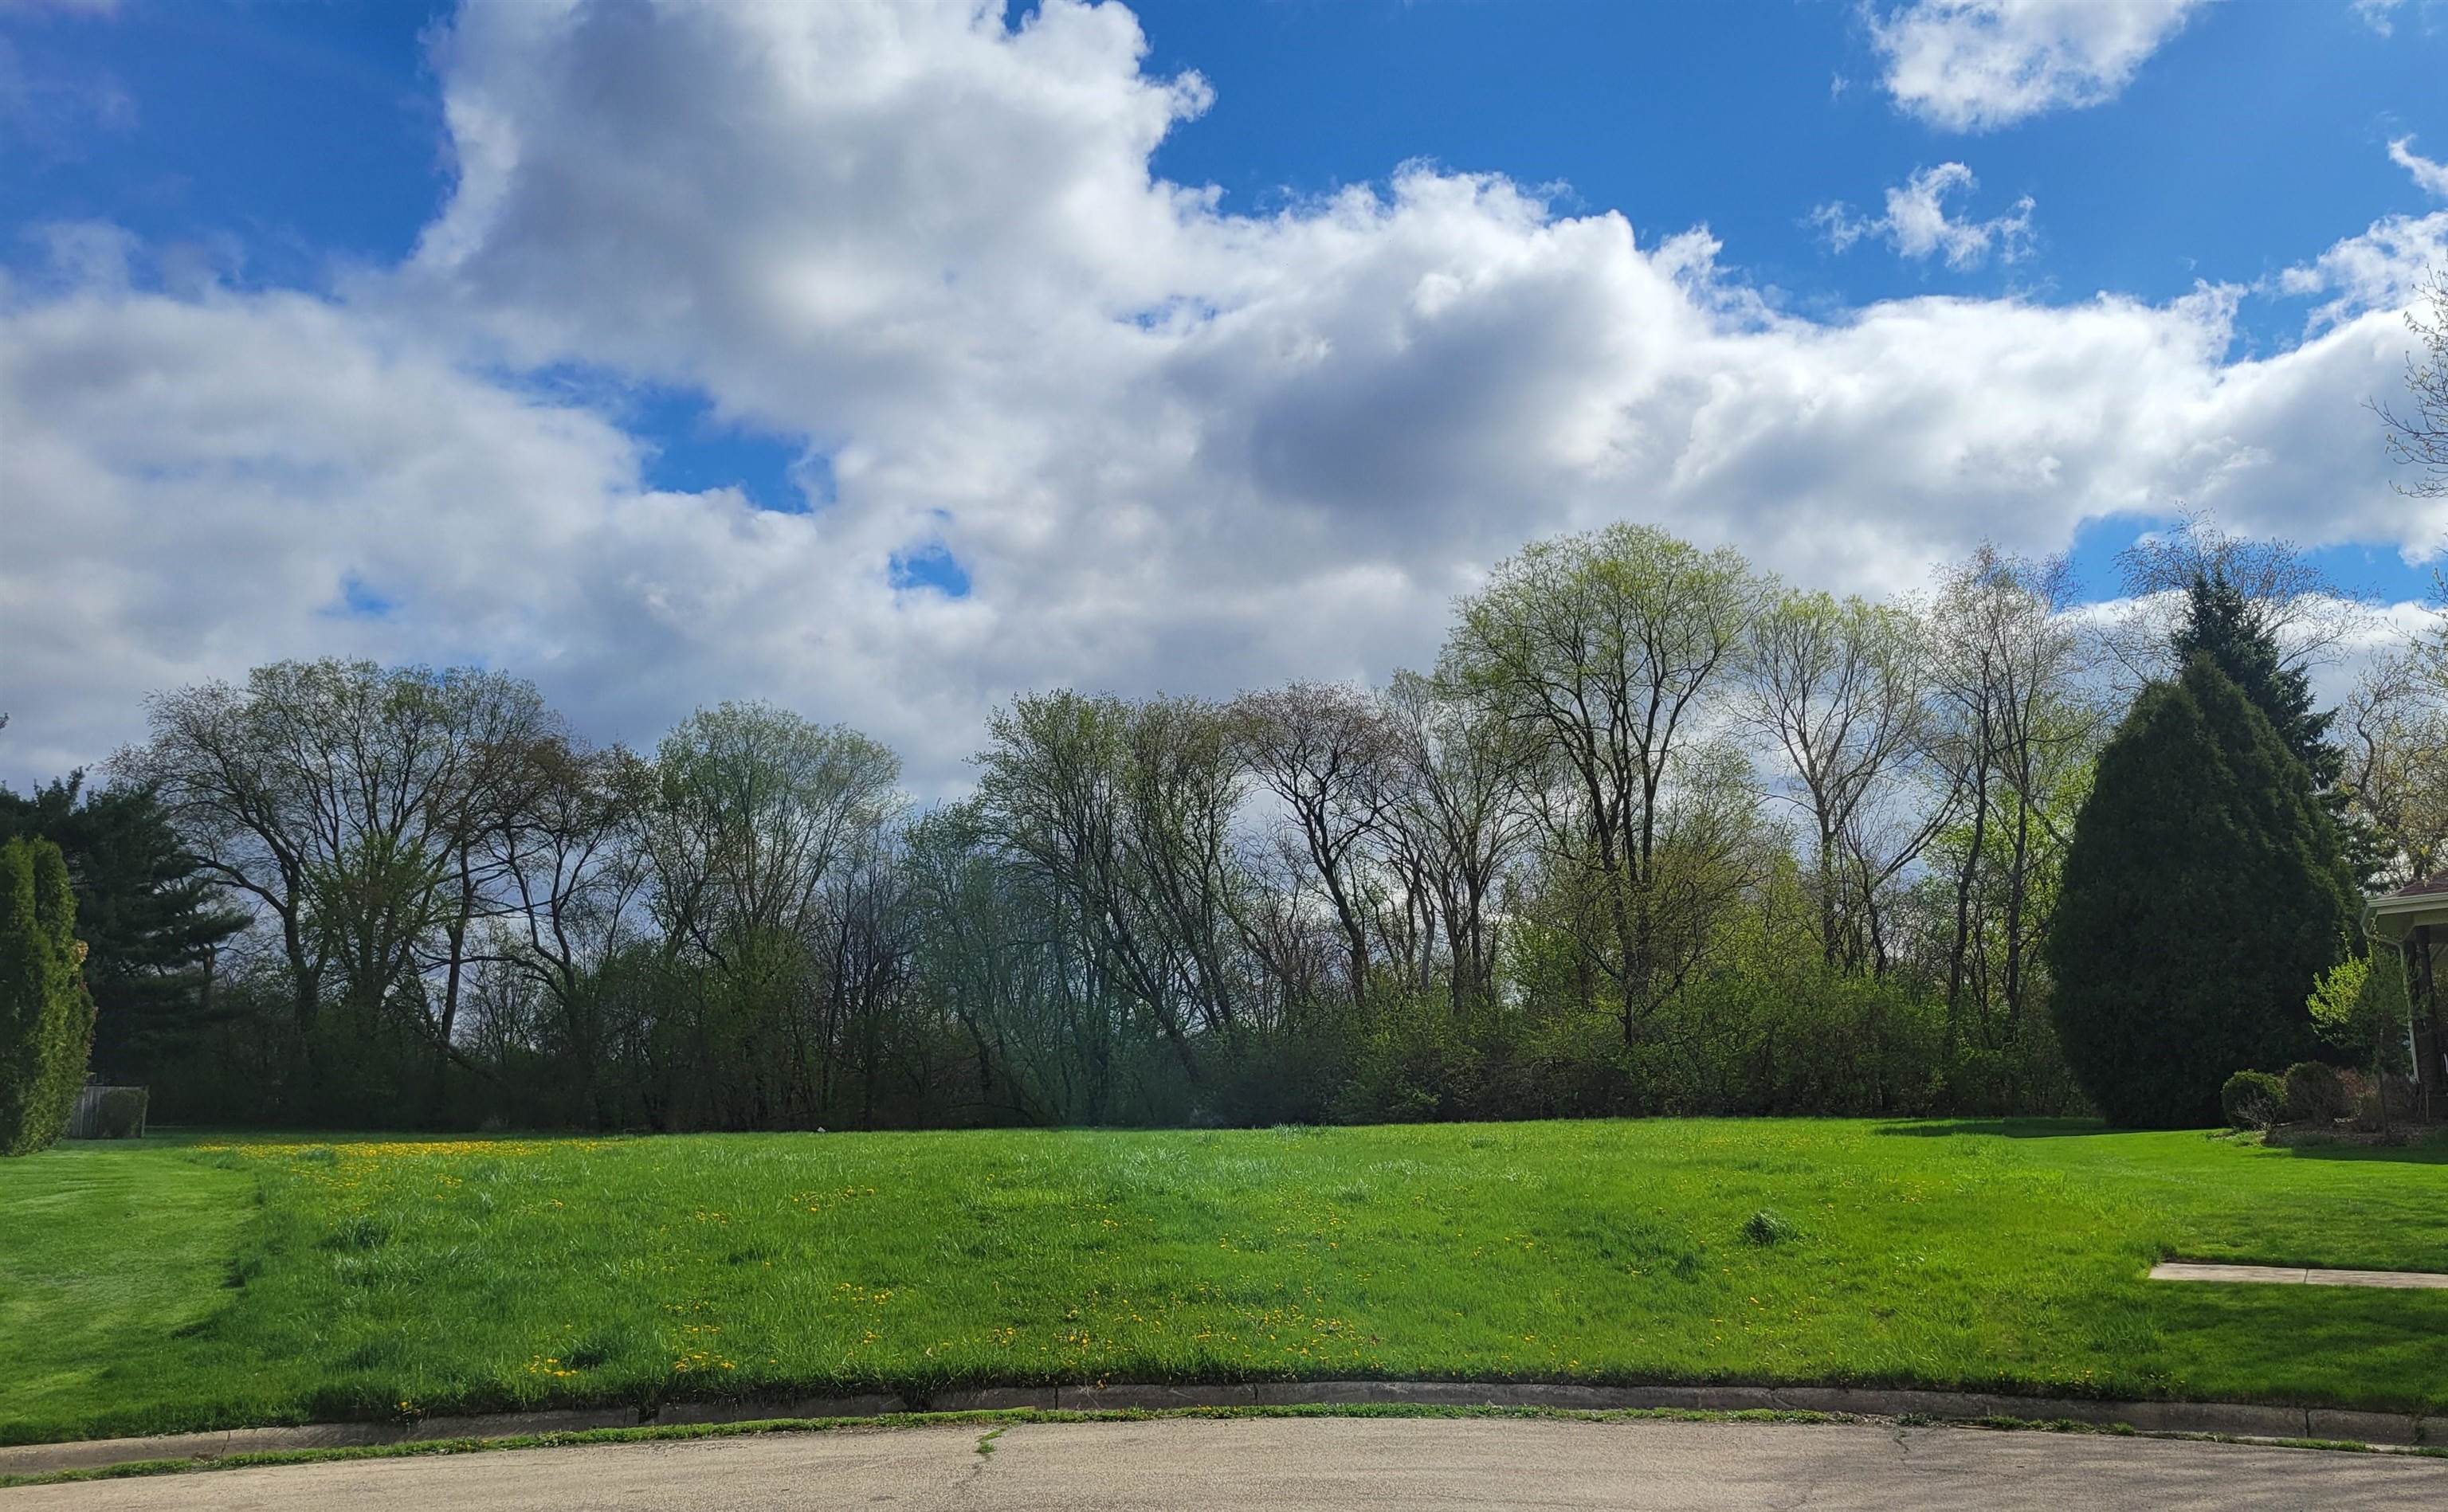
x=1656, y=833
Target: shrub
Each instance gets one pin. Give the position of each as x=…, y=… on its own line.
x=2314, y=1093
x=2252, y=1099
x=2372, y=1100
x=46, y=1018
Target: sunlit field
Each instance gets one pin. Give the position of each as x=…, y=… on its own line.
x=214, y=1281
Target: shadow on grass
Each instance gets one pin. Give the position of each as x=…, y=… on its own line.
x=2012, y=1128
x=2430, y=1148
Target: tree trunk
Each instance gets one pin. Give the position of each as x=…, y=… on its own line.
x=1964, y=883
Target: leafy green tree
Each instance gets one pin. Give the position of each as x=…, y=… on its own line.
x=2013, y=732
x=2360, y=1006
x=2203, y=898
x=1608, y=648
x=145, y=907
x=347, y=805
x=758, y=821
x=1125, y=811
x=46, y=1018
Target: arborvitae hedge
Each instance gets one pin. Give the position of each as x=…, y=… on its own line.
x=2203, y=896
x=46, y=1018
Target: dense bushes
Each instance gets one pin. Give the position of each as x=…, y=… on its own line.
x=2316, y=1093
x=2253, y=1100
x=1757, y=1037
x=2360, y=1009
x=46, y=1019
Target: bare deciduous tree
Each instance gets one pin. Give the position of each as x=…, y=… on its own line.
x=2419, y=437
x=1842, y=688
x=2394, y=729
x=2301, y=607
x=1457, y=818
x=1325, y=752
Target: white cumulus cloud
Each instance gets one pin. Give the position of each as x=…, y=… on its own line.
x=2381, y=268
x=2432, y=177
x=1975, y=65
x=1916, y=224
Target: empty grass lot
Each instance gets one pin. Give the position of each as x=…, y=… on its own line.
x=216, y=1281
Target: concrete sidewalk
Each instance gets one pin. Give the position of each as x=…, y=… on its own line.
x=2297, y=1275
x=2242, y=1420
x=1316, y=1464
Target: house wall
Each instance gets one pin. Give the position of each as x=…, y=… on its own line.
x=2426, y=976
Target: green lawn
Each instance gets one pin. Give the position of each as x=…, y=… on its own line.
x=205, y=1283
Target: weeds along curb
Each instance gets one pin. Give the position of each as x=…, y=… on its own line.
x=2313, y=1426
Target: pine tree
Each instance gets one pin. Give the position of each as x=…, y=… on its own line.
x=46, y=1018
x=144, y=907
x=2222, y=624
x=2203, y=898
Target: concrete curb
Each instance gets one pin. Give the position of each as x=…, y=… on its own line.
x=2234, y=1419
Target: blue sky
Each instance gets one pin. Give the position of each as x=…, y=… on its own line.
x=233, y=154
x=2253, y=136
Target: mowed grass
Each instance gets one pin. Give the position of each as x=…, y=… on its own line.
x=215, y=1282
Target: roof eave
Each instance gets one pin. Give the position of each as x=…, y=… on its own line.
x=2394, y=916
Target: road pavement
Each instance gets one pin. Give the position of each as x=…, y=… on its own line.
x=1315, y=1463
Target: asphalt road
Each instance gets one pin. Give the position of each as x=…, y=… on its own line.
x=1319, y=1463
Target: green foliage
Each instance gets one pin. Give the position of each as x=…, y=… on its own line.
x=145, y=910
x=2203, y=898
x=46, y=1019
x=1312, y=903
x=1605, y=642
x=2337, y=997
x=2315, y=1093
x=280, y=1282
x=2253, y=1100
x=2361, y=1007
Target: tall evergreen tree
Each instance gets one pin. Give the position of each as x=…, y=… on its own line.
x=2224, y=625
x=2203, y=898
x=2237, y=633
x=46, y=1018
x=146, y=912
